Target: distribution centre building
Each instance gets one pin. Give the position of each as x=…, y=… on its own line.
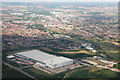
x=44, y=59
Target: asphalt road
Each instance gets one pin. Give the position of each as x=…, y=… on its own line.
x=15, y=68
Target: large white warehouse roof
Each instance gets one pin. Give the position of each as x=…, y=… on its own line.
x=37, y=55
x=49, y=60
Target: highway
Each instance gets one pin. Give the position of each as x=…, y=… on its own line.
x=15, y=68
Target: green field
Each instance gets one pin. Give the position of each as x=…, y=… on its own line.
x=40, y=74
x=11, y=73
x=88, y=72
x=92, y=73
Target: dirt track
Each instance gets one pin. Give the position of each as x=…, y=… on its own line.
x=75, y=52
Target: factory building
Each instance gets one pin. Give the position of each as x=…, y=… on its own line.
x=43, y=59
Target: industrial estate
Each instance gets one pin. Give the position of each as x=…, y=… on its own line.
x=40, y=60
x=53, y=64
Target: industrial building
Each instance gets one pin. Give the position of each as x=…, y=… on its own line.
x=43, y=59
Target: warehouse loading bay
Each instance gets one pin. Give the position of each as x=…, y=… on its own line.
x=45, y=62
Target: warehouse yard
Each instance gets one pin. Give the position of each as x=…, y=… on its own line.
x=48, y=63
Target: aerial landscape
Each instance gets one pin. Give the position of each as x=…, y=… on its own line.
x=60, y=40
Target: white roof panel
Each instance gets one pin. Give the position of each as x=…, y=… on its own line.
x=57, y=60
x=37, y=55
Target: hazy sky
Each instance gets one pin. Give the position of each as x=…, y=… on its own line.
x=60, y=0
